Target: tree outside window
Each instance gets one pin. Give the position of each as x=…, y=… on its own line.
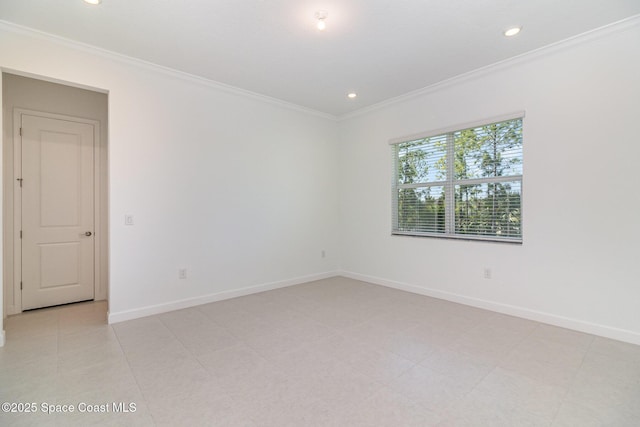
x=465, y=183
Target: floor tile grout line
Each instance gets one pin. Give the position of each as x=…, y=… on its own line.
x=573, y=379
x=497, y=362
x=133, y=375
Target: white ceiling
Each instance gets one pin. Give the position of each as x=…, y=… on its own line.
x=379, y=48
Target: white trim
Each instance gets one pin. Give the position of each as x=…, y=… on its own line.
x=136, y=313
x=465, y=237
x=525, y=313
x=150, y=66
x=3, y=286
x=509, y=62
x=51, y=79
x=459, y=127
x=552, y=48
x=16, y=246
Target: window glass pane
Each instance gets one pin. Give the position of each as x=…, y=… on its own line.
x=489, y=151
x=421, y=209
x=491, y=209
x=422, y=160
x=483, y=180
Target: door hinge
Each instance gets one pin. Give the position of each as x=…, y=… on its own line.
x=20, y=285
x=20, y=181
x=21, y=234
x=20, y=131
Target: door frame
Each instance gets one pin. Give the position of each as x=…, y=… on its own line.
x=17, y=201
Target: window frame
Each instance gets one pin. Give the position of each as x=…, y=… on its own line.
x=450, y=183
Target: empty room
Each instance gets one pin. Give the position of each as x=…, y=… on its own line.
x=320, y=213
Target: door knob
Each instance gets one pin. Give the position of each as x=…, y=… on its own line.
x=88, y=233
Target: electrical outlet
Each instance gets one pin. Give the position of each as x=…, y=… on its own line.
x=487, y=273
x=182, y=273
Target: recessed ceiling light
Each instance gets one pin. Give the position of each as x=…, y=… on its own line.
x=321, y=15
x=94, y=2
x=510, y=32
x=351, y=95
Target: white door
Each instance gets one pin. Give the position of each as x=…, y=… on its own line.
x=57, y=211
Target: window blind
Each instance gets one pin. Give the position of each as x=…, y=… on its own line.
x=465, y=183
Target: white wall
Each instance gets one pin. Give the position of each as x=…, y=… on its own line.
x=579, y=264
x=2, y=312
x=238, y=189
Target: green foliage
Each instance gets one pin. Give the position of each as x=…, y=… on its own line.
x=412, y=162
x=481, y=208
x=421, y=211
x=418, y=208
x=488, y=210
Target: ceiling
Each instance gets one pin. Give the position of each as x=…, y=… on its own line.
x=380, y=49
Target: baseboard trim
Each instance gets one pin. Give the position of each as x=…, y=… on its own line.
x=122, y=316
x=525, y=313
x=11, y=310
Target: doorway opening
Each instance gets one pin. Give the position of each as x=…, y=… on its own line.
x=55, y=194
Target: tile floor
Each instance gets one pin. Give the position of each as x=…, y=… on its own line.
x=335, y=352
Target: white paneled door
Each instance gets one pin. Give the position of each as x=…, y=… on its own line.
x=57, y=211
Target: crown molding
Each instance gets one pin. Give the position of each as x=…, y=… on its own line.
x=594, y=34
x=153, y=67
x=597, y=33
